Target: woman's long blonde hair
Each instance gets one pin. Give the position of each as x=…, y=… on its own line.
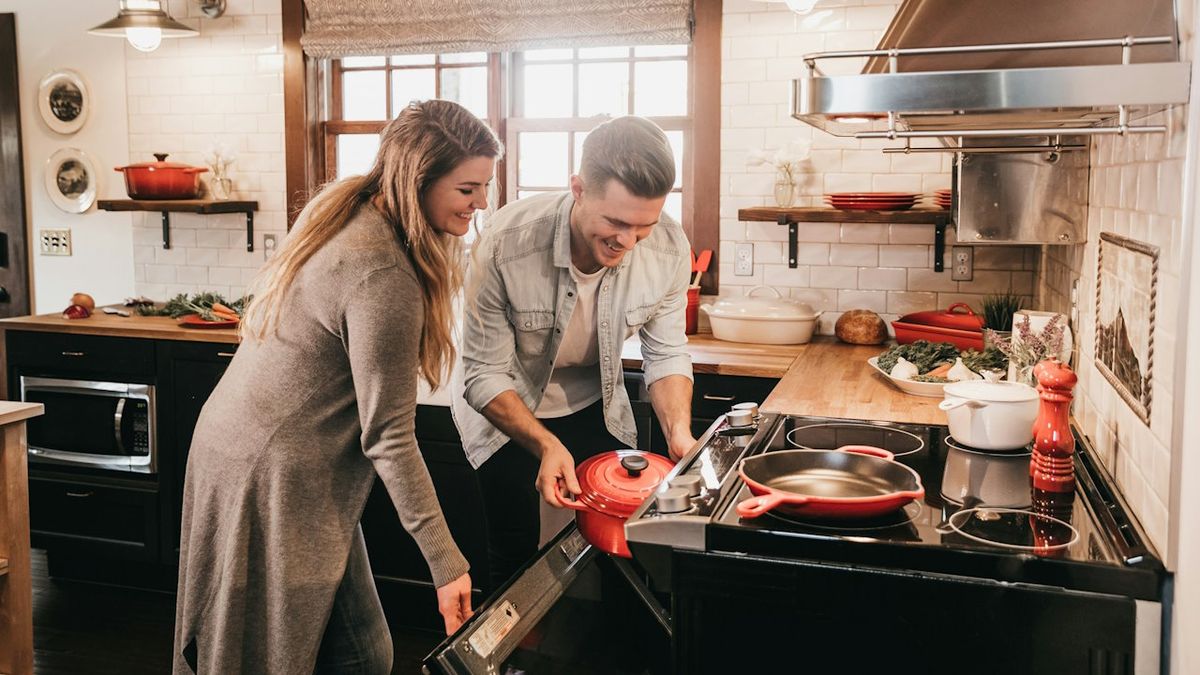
x=425, y=142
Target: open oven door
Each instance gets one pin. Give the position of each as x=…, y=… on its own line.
x=572, y=609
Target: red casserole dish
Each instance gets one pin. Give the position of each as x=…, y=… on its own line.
x=161, y=179
x=963, y=329
x=854, y=481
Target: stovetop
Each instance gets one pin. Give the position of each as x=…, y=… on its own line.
x=979, y=516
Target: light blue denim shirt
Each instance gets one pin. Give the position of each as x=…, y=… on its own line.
x=520, y=296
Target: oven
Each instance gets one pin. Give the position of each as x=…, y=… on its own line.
x=90, y=423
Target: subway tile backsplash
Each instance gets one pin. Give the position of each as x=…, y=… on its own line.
x=884, y=268
x=226, y=86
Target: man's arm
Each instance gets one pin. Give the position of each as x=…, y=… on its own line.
x=508, y=413
x=671, y=398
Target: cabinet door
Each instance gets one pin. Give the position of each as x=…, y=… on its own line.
x=193, y=370
x=94, y=519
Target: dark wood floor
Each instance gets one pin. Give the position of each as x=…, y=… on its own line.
x=89, y=629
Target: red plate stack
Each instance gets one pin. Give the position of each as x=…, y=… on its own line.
x=941, y=198
x=872, y=201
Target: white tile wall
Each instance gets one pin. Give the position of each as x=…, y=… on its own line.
x=225, y=85
x=1136, y=191
x=885, y=268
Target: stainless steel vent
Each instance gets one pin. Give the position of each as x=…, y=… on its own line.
x=955, y=69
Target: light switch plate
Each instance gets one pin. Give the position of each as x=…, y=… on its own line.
x=962, y=263
x=55, y=242
x=743, y=259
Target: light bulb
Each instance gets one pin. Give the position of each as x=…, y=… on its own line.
x=801, y=6
x=144, y=39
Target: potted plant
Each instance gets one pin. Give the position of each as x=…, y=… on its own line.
x=998, y=311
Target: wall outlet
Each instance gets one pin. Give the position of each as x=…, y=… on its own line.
x=743, y=259
x=962, y=263
x=55, y=242
x=269, y=246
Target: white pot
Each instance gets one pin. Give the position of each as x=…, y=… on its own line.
x=990, y=415
x=772, y=321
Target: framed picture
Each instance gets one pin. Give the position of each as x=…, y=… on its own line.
x=71, y=180
x=1126, y=293
x=63, y=101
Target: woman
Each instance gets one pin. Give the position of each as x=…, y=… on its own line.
x=319, y=399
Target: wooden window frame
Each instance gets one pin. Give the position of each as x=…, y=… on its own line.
x=308, y=83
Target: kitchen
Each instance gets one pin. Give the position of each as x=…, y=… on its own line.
x=228, y=86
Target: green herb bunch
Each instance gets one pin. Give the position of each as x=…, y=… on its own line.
x=998, y=311
x=200, y=303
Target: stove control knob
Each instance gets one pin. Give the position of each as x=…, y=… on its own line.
x=689, y=483
x=673, y=500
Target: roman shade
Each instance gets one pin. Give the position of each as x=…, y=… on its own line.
x=336, y=28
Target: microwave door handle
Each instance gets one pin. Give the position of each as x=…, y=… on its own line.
x=117, y=424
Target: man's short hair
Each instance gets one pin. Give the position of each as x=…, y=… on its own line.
x=632, y=150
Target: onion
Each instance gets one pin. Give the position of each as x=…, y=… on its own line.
x=84, y=300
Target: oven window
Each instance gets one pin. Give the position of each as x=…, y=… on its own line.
x=76, y=423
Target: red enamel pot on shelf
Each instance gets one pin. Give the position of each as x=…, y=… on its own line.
x=612, y=486
x=854, y=481
x=161, y=179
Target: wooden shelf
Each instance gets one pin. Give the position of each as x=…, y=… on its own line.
x=939, y=218
x=168, y=206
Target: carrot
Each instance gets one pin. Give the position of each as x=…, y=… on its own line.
x=223, y=309
x=226, y=316
x=941, y=370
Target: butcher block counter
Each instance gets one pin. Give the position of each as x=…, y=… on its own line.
x=825, y=378
x=134, y=326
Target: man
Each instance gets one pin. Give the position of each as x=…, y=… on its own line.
x=557, y=283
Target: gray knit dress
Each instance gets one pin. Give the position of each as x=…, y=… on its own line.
x=285, y=453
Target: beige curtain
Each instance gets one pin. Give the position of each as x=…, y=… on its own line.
x=336, y=28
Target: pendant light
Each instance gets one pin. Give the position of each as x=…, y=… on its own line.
x=144, y=23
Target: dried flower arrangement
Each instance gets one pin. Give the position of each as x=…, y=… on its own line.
x=1027, y=347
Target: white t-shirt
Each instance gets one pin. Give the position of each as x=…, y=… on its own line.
x=575, y=382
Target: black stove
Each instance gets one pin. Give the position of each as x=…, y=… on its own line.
x=980, y=536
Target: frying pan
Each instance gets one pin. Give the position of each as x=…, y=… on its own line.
x=854, y=481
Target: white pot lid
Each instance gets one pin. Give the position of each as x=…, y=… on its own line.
x=999, y=392
x=762, y=308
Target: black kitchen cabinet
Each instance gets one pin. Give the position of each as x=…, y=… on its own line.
x=712, y=396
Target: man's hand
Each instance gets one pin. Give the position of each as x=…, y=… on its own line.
x=680, y=445
x=454, y=602
x=557, y=471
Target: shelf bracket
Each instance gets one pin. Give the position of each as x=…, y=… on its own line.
x=939, y=244
x=166, y=223
x=250, y=231
x=782, y=219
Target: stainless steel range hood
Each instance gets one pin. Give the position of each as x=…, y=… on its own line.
x=954, y=69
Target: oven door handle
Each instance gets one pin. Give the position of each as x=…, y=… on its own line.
x=120, y=413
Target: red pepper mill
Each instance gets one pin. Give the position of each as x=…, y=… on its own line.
x=1052, y=466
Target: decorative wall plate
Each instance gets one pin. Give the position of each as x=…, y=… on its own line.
x=64, y=101
x=71, y=180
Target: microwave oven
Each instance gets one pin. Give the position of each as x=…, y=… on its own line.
x=105, y=425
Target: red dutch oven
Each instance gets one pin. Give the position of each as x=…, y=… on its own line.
x=854, y=481
x=963, y=329
x=612, y=485
x=161, y=179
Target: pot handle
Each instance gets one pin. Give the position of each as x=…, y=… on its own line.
x=950, y=404
x=950, y=309
x=119, y=169
x=756, y=506
x=867, y=450
x=195, y=169
x=573, y=504
x=774, y=290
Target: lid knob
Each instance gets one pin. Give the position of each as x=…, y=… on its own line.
x=634, y=465
x=160, y=156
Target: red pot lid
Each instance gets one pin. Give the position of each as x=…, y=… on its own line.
x=617, y=482
x=162, y=163
x=959, y=316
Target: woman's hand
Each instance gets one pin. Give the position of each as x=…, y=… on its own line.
x=454, y=602
x=557, y=471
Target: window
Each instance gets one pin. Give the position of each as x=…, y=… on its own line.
x=555, y=97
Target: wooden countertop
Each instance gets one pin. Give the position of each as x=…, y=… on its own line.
x=153, y=327
x=826, y=378
x=832, y=379
x=15, y=411
x=719, y=357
